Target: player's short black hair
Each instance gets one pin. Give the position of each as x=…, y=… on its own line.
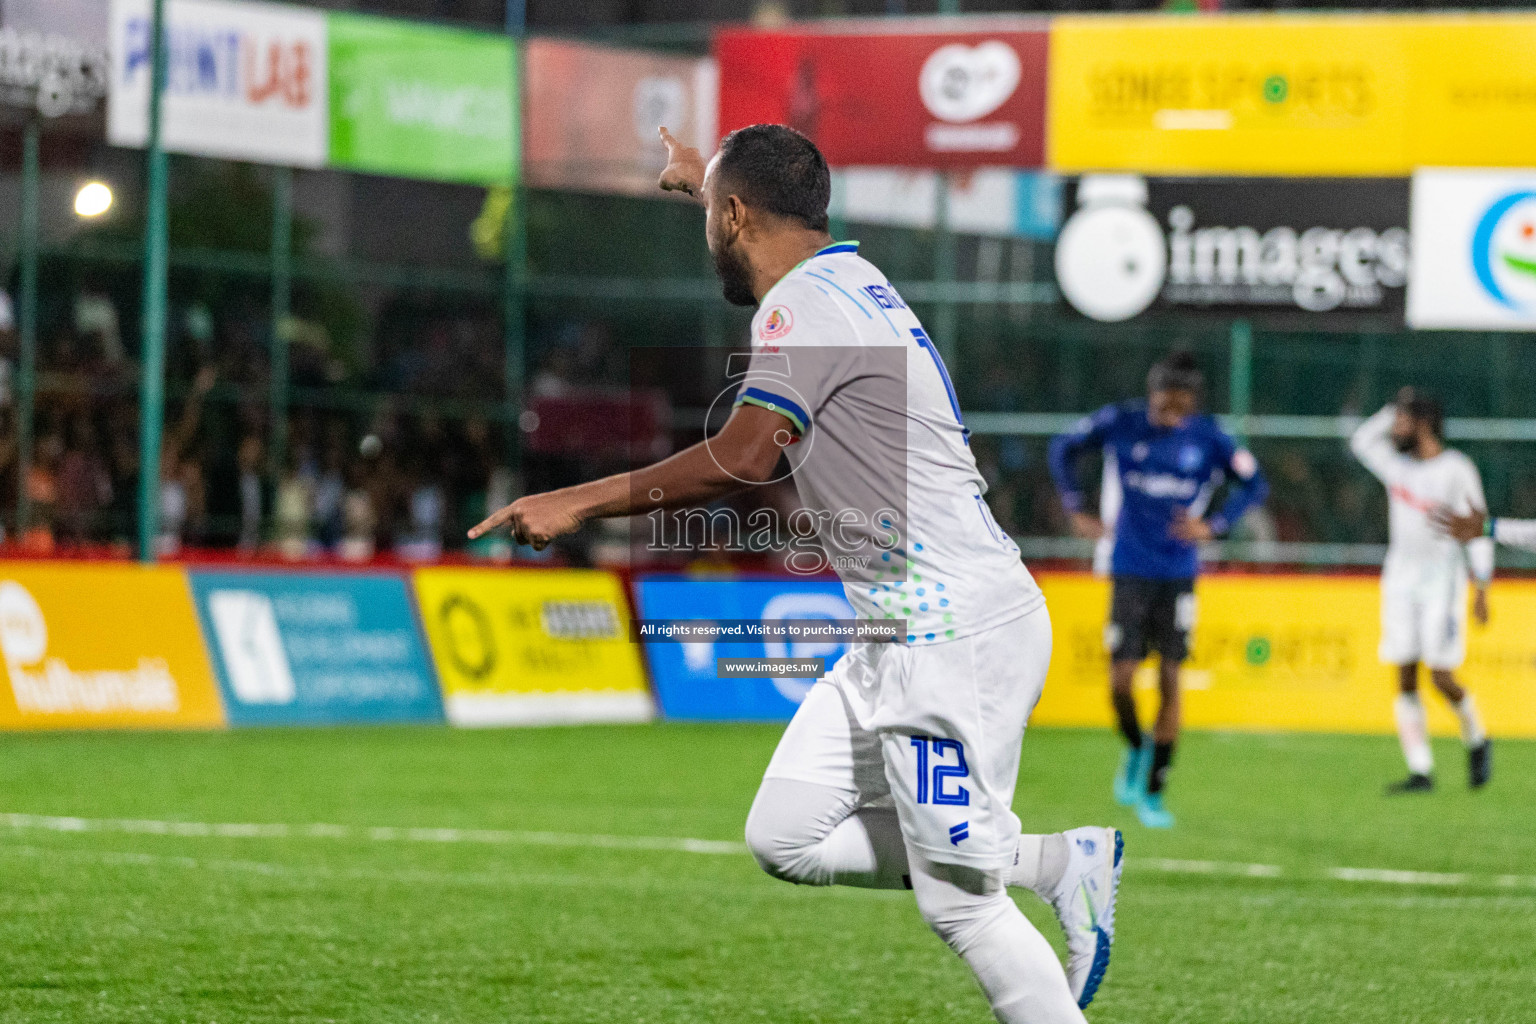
x=1177, y=371
x=775, y=168
x=1426, y=409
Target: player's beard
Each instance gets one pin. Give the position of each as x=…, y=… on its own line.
x=1405, y=443
x=735, y=276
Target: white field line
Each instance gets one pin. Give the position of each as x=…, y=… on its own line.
x=377, y=834
x=1207, y=867
x=309, y=874
x=505, y=837
x=313, y=873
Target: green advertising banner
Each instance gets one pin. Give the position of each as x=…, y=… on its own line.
x=420, y=101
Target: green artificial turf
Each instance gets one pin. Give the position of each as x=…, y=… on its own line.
x=116, y=924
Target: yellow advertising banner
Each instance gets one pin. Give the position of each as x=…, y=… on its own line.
x=1474, y=98
x=1231, y=95
x=522, y=646
x=1289, y=653
x=1291, y=94
x=102, y=646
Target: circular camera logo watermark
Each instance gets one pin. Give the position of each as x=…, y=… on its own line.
x=1112, y=256
x=775, y=395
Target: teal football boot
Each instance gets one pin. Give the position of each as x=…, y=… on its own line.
x=1131, y=779
x=1152, y=813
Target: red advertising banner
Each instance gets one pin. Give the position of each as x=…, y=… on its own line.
x=593, y=112
x=953, y=100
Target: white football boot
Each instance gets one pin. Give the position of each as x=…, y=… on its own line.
x=1084, y=901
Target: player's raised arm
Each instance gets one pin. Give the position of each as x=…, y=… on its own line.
x=1372, y=444
x=685, y=168
x=1065, y=450
x=744, y=452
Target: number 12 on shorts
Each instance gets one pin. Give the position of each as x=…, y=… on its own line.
x=941, y=773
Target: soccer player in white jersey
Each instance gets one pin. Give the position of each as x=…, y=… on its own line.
x=1424, y=579
x=898, y=770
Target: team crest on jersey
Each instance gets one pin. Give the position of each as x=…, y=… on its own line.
x=1244, y=463
x=1189, y=458
x=776, y=324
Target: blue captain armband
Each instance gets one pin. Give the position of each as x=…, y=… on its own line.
x=776, y=403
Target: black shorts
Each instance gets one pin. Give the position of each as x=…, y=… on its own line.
x=1147, y=616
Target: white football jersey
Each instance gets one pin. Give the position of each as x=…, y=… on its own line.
x=881, y=458
x=1417, y=551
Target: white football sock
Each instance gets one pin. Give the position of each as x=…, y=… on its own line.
x=1472, y=733
x=1039, y=864
x=811, y=834
x=1413, y=733
x=1016, y=968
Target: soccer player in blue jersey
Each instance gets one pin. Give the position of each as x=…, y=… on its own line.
x=1169, y=458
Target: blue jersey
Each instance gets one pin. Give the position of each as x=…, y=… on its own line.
x=1162, y=471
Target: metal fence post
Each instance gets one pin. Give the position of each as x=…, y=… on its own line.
x=837, y=223
x=1241, y=379
x=515, y=339
x=946, y=313
x=156, y=244
x=26, y=322
x=282, y=300
x=947, y=316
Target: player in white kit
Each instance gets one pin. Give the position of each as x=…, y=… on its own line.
x=1425, y=576
x=898, y=770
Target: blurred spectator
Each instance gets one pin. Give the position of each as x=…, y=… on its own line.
x=330, y=494
x=96, y=323
x=182, y=499
x=251, y=484
x=1298, y=499
x=43, y=493
x=422, y=540
x=422, y=508
x=84, y=484
x=360, y=521
x=292, y=513
x=555, y=375
x=8, y=348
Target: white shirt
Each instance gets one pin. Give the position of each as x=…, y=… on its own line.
x=1418, y=551
x=882, y=460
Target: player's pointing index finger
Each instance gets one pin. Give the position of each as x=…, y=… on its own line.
x=685, y=167
x=490, y=523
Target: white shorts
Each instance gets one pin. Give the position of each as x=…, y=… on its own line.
x=1424, y=621
x=934, y=730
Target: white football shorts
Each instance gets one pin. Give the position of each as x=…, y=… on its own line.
x=1424, y=621
x=933, y=729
